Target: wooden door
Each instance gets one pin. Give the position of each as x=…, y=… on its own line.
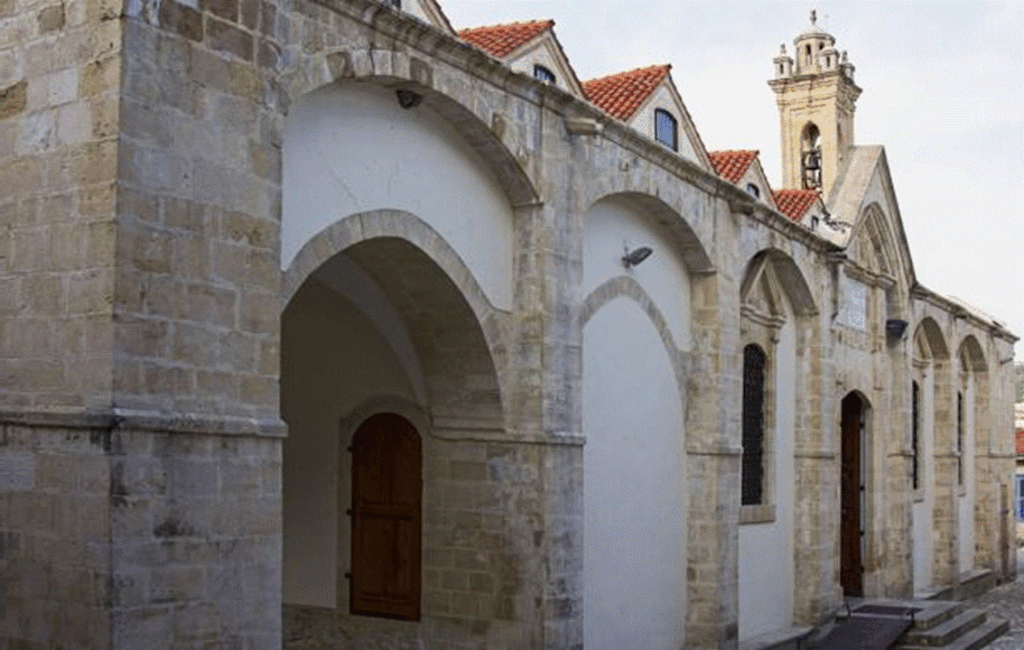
x=386, y=489
x=851, y=572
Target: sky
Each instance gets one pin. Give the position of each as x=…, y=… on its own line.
x=943, y=91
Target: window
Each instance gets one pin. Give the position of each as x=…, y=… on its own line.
x=752, y=477
x=542, y=73
x=810, y=156
x=960, y=438
x=1020, y=497
x=665, y=129
x=386, y=518
x=915, y=411
x=814, y=222
x=753, y=190
x=394, y=4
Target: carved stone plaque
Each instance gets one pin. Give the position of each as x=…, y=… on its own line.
x=853, y=308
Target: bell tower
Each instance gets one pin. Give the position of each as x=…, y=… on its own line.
x=816, y=96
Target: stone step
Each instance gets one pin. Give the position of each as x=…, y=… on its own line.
x=977, y=638
x=936, y=612
x=946, y=631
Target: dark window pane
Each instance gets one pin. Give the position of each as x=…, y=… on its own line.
x=665, y=129
x=752, y=477
x=542, y=73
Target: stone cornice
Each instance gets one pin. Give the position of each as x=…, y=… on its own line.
x=125, y=420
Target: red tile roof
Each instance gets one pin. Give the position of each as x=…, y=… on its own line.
x=732, y=165
x=795, y=203
x=1020, y=442
x=501, y=40
x=622, y=94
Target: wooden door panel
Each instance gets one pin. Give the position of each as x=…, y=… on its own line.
x=851, y=575
x=386, y=510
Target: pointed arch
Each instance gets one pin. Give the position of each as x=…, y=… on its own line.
x=786, y=276
x=971, y=355
x=929, y=341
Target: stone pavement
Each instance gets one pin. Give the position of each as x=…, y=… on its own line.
x=1007, y=602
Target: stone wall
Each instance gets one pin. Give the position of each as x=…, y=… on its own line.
x=55, y=527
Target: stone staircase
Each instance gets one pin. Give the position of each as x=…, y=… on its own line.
x=951, y=626
x=936, y=625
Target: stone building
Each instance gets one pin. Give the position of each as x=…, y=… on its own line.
x=323, y=327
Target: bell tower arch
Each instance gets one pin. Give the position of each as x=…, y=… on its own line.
x=816, y=95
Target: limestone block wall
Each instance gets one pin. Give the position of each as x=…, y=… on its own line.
x=55, y=527
x=59, y=86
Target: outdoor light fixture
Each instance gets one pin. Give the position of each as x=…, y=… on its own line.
x=895, y=327
x=408, y=99
x=633, y=258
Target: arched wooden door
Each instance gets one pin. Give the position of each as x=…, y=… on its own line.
x=851, y=529
x=386, y=496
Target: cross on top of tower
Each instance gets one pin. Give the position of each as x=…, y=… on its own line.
x=814, y=17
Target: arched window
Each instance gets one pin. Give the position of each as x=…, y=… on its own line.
x=386, y=518
x=753, y=190
x=752, y=468
x=544, y=74
x=665, y=129
x=915, y=436
x=810, y=156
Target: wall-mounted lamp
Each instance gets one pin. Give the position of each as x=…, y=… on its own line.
x=407, y=98
x=895, y=327
x=635, y=257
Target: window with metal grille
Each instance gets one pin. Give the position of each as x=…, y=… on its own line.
x=960, y=438
x=1020, y=497
x=386, y=519
x=752, y=467
x=666, y=129
x=915, y=435
x=544, y=74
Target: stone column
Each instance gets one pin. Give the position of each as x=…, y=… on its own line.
x=713, y=452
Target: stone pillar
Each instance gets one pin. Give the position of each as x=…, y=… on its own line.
x=713, y=450
x=944, y=569
x=141, y=441
x=816, y=482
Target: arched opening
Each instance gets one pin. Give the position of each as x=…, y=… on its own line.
x=636, y=331
x=852, y=490
x=380, y=328
x=976, y=541
x=810, y=156
x=775, y=306
x=931, y=510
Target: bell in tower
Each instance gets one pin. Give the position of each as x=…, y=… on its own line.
x=816, y=96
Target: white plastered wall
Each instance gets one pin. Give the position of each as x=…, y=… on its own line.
x=634, y=459
x=350, y=148
x=634, y=562
x=766, y=553
x=611, y=227
x=334, y=359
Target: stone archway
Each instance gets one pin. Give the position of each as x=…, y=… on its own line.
x=381, y=327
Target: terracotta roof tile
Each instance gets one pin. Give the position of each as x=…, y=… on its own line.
x=1020, y=442
x=621, y=95
x=795, y=203
x=501, y=40
x=732, y=165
